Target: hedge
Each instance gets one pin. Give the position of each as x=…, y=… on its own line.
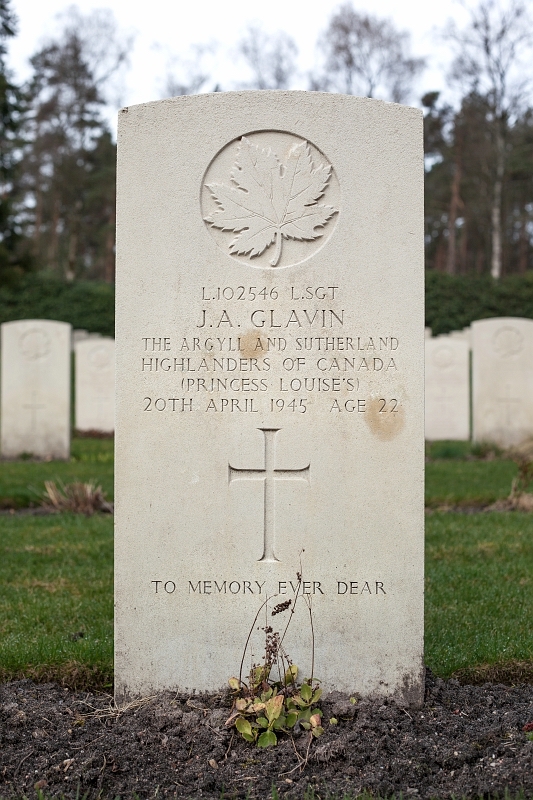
x=452, y=302
x=85, y=304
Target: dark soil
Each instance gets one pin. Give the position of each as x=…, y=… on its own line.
x=465, y=741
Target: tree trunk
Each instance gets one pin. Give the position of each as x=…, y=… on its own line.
x=523, y=244
x=496, y=213
x=455, y=204
x=70, y=272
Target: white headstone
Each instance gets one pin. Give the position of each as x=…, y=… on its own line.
x=447, y=389
x=269, y=387
x=35, y=387
x=465, y=335
x=78, y=335
x=95, y=385
x=502, y=380
x=427, y=333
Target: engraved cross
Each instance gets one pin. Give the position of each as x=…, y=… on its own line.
x=508, y=400
x=33, y=406
x=269, y=475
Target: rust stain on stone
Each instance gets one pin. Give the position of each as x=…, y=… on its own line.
x=252, y=345
x=385, y=417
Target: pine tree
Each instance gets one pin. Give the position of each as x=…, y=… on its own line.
x=12, y=262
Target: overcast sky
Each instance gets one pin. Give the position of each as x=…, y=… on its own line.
x=166, y=30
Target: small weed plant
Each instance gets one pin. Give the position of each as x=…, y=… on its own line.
x=272, y=701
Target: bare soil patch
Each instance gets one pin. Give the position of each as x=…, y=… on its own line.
x=465, y=741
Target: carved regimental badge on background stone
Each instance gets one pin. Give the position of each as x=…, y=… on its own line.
x=270, y=199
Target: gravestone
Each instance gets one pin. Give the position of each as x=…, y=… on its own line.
x=502, y=380
x=447, y=388
x=95, y=385
x=35, y=388
x=465, y=335
x=269, y=388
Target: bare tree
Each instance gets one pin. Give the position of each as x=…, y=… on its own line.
x=492, y=59
x=189, y=75
x=270, y=57
x=366, y=55
x=105, y=47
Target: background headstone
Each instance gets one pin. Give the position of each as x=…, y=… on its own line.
x=95, y=385
x=269, y=388
x=35, y=388
x=502, y=380
x=447, y=388
x=465, y=335
x=78, y=335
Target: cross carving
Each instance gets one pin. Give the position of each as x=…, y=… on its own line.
x=508, y=400
x=269, y=475
x=33, y=406
x=445, y=401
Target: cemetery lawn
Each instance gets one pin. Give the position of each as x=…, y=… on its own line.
x=479, y=595
x=56, y=598
x=22, y=481
x=468, y=483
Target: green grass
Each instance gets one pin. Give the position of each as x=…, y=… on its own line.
x=22, y=482
x=56, y=571
x=468, y=482
x=55, y=582
x=479, y=589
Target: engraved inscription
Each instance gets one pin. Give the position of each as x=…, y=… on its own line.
x=100, y=357
x=266, y=190
x=269, y=475
x=34, y=344
x=443, y=357
x=507, y=342
x=509, y=406
x=33, y=407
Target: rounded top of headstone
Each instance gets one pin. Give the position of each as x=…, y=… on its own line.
x=270, y=199
x=507, y=341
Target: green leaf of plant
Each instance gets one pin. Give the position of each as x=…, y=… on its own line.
x=248, y=737
x=279, y=722
x=243, y=726
x=318, y=731
x=262, y=722
x=333, y=721
x=304, y=715
x=316, y=711
x=267, y=739
x=291, y=674
x=306, y=692
x=234, y=684
x=306, y=725
x=317, y=695
x=291, y=719
x=273, y=707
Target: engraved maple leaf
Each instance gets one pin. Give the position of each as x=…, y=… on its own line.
x=271, y=199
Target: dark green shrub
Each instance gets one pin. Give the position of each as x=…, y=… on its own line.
x=85, y=304
x=454, y=301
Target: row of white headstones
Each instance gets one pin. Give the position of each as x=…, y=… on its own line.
x=36, y=386
x=479, y=382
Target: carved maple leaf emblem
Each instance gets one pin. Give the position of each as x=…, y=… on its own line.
x=271, y=199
